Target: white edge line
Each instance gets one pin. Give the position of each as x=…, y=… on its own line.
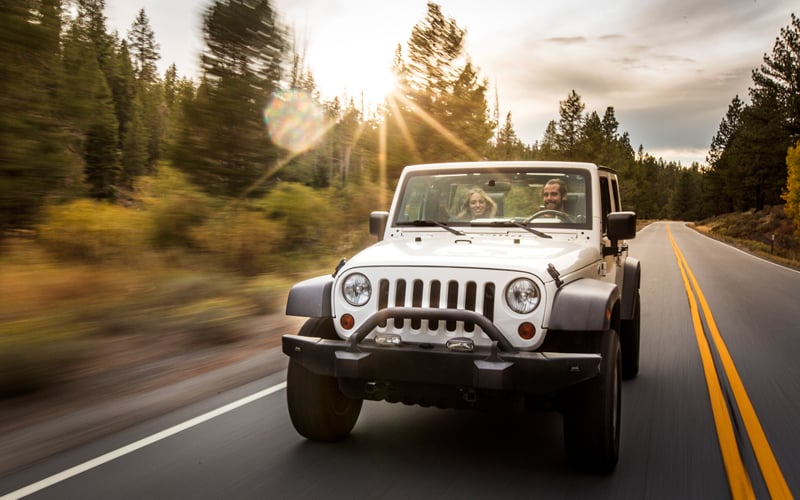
x=732, y=247
x=130, y=448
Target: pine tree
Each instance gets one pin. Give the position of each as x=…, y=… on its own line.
x=441, y=111
x=224, y=145
x=101, y=147
x=144, y=48
x=610, y=125
x=508, y=145
x=154, y=117
x=177, y=93
x=33, y=145
x=758, y=150
x=549, y=147
x=123, y=88
x=593, y=145
x=570, y=126
x=685, y=200
x=469, y=111
x=721, y=175
x=434, y=50
x=751, y=163
x=779, y=75
x=91, y=21
x=618, y=151
x=87, y=101
x=150, y=93
x=79, y=75
x=134, y=147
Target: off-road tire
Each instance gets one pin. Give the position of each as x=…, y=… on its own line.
x=592, y=413
x=629, y=341
x=317, y=408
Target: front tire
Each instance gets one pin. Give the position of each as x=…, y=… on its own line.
x=592, y=416
x=318, y=409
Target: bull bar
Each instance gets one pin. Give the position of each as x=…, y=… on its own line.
x=498, y=367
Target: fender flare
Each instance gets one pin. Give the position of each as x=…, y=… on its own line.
x=631, y=278
x=311, y=298
x=584, y=305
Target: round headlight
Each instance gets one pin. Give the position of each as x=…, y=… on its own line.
x=522, y=295
x=356, y=289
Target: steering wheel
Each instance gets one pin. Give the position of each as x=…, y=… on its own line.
x=563, y=217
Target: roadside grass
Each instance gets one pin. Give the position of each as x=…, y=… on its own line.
x=167, y=262
x=52, y=312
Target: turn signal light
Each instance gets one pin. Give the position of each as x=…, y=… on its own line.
x=347, y=321
x=526, y=330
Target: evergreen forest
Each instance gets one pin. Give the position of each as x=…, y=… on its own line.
x=99, y=153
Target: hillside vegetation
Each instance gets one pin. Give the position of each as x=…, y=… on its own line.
x=768, y=233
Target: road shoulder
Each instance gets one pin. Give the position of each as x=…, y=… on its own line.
x=99, y=404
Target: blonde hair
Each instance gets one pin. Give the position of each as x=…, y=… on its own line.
x=488, y=199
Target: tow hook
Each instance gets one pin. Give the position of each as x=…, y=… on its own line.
x=469, y=395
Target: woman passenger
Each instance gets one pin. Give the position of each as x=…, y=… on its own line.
x=477, y=205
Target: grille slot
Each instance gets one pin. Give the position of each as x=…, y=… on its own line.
x=452, y=303
x=469, y=295
x=416, y=301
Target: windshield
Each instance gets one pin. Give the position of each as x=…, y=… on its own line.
x=535, y=198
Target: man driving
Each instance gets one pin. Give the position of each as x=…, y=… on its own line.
x=554, y=192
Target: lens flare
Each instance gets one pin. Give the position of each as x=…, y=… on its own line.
x=295, y=121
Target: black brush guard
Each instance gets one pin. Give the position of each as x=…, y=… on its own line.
x=499, y=367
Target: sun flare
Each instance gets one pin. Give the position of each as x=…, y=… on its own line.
x=361, y=82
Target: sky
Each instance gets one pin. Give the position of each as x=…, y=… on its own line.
x=669, y=68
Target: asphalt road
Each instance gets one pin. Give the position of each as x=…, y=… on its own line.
x=672, y=443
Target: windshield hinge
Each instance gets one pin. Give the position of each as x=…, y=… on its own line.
x=338, y=266
x=551, y=269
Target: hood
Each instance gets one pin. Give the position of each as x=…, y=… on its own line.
x=482, y=251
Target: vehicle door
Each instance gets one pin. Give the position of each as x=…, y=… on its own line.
x=609, y=202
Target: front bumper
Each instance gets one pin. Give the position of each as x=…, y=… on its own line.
x=499, y=367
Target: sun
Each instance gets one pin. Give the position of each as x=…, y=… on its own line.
x=366, y=82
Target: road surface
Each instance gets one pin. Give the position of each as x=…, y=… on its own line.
x=712, y=414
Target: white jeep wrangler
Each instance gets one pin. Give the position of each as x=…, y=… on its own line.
x=528, y=302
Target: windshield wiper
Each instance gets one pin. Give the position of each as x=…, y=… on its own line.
x=512, y=222
x=428, y=222
x=531, y=230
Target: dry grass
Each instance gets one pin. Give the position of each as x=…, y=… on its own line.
x=767, y=233
x=52, y=314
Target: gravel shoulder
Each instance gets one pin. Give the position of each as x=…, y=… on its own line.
x=130, y=379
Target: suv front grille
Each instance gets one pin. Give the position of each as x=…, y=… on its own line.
x=435, y=294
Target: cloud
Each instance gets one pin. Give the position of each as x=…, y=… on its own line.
x=668, y=67
x=566, y=40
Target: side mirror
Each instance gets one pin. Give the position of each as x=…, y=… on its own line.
x=621, y=226
x=377, y=223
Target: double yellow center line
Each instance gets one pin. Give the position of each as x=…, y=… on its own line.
x=738, y=478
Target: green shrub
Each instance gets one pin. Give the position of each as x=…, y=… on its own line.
x=243, y=240
x=175, y=206
x=93, y=231
x=311, y=221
